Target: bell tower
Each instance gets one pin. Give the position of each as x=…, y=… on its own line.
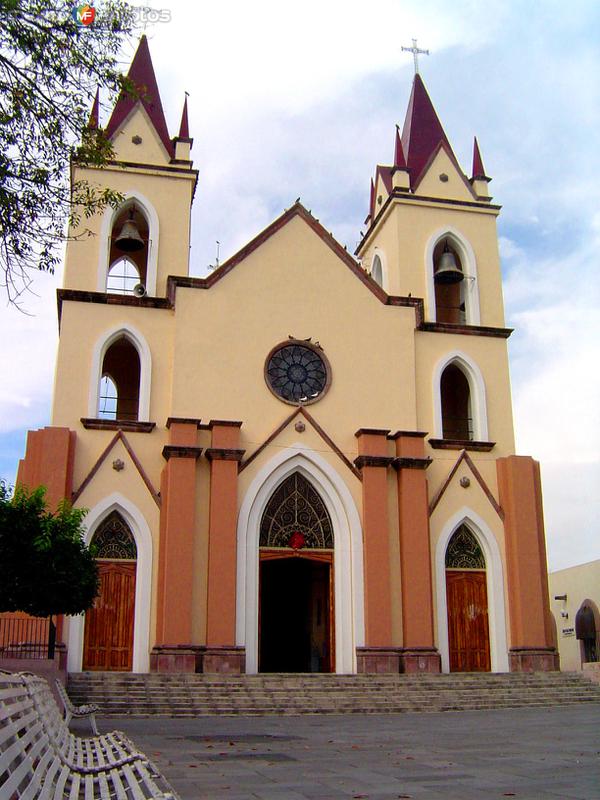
x=132, y=247
x=432, y=230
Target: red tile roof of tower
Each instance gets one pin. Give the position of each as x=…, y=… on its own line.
x=422, y=133
x=478, y=168
x=141, y=74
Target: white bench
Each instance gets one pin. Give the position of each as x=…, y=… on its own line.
x=41, y=760
x=77, y=712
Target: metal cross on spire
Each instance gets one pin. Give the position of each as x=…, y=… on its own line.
x=415, y=51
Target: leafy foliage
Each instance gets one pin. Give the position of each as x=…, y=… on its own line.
x=45, y=567
x=49, y=72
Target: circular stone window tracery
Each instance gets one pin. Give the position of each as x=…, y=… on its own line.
x=297, y=372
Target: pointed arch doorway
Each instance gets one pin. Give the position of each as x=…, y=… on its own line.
x=467, y=603
x=296, y=592
x=109, y=625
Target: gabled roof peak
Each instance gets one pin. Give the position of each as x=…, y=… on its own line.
x=141, y=74
x=422, y=132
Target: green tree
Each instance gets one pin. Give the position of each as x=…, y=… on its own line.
x=45, y=567
x=50, y=69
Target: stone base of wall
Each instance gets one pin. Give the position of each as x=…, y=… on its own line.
x=533, y=659
x=49, y=668
x=378, y=659
x=591, y=670
x=420, y=659
x=176, y=658
x=231, y=660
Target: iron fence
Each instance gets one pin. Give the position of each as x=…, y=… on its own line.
x=27, y=637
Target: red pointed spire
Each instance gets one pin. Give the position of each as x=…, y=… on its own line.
x=93, y=121
x=399, y=160
x=478, y=168
x=184, y=128
x=422, y=133
x=141, y=74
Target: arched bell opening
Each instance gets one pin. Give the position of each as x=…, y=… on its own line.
x=449, y=282
x=455, y=395
x=587, y=631
x=128, y=251
x=296, y=607
x=119, y=391
x=109, y=625
x=467, y=604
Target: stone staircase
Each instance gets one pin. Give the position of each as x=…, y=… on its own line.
x=190, y=695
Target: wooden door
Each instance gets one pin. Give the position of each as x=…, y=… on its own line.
x=468, y=628
x=108, y=641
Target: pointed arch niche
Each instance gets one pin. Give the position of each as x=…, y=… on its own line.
x=115, y=268
x=140, y=531
x=347, y=552
x=120, y=376
x=458, y=304
x=488, y=545
x=379, y=271
x=459, y=399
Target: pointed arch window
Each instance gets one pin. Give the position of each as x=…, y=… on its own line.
x=296, y=517
x=377, y=270
x=463, y=551
x=119, y=392
x=455, y=394
x=113, y=539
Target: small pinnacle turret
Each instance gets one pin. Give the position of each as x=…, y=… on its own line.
x=94, y=119
x=478, y=172
x=184, y=128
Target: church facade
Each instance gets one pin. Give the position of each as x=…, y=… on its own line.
x=304, y=462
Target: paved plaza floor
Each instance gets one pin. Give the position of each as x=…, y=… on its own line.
x=528, y=754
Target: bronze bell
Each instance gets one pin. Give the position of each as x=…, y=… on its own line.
x=448, y=271
x=129, y=240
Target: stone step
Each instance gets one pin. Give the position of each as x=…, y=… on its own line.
x=189, y=695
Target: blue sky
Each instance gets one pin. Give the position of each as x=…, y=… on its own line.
x=289, y=100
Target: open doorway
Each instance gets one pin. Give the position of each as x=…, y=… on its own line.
x=296, y=615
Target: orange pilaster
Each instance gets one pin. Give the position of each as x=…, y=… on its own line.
x=419, y=652
x=520, y=495
x=176, y=552
x=224, y=455
x=373, y=461
x=48, y=462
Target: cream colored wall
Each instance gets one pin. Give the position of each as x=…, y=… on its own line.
x=578, y=583
x=293, y=285
x=491, y=357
